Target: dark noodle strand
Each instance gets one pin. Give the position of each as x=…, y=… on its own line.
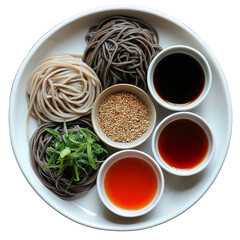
x=120, y=49
x=39, y=142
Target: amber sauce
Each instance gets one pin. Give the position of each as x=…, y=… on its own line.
x=183, y=144
x=178, y=79
x=131, y=183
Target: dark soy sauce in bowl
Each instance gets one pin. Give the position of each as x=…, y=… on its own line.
x=178, y=79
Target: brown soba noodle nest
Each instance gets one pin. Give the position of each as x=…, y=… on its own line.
x=58, y=184
x=120, y=49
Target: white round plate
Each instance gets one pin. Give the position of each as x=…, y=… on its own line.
x=180, y=192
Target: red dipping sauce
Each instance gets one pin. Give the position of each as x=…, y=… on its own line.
x=131, y=183
x=183, y=144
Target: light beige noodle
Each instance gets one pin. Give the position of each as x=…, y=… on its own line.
x=61, y=87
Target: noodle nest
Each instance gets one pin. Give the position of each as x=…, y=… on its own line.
x=120, y=49
x=61, y=87
x=58, y=184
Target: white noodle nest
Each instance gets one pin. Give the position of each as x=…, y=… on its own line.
x=62, y=87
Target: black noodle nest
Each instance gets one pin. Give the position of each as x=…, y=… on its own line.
x=120, y=49
x=40, y=140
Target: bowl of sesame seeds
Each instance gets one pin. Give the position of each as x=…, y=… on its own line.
x=123, y=116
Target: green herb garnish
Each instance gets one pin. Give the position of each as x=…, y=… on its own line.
x=73, y=150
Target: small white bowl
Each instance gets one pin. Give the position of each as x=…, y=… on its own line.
x=113, y=159
x=143, y=96
x=203, y=124
x=199, y=58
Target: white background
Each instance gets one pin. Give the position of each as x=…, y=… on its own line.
x=24, y=215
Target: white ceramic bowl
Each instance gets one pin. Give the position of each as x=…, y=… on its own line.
x=143, y=96
x=200, y=59
x=113, y=159
x=203, y=124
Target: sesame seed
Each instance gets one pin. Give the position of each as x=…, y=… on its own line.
x=123, y=117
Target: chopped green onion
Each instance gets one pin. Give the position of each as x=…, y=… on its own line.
x=73, y=151
x=65, y=152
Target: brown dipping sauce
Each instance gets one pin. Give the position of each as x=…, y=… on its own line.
x=178, y=79
x=183, y=144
